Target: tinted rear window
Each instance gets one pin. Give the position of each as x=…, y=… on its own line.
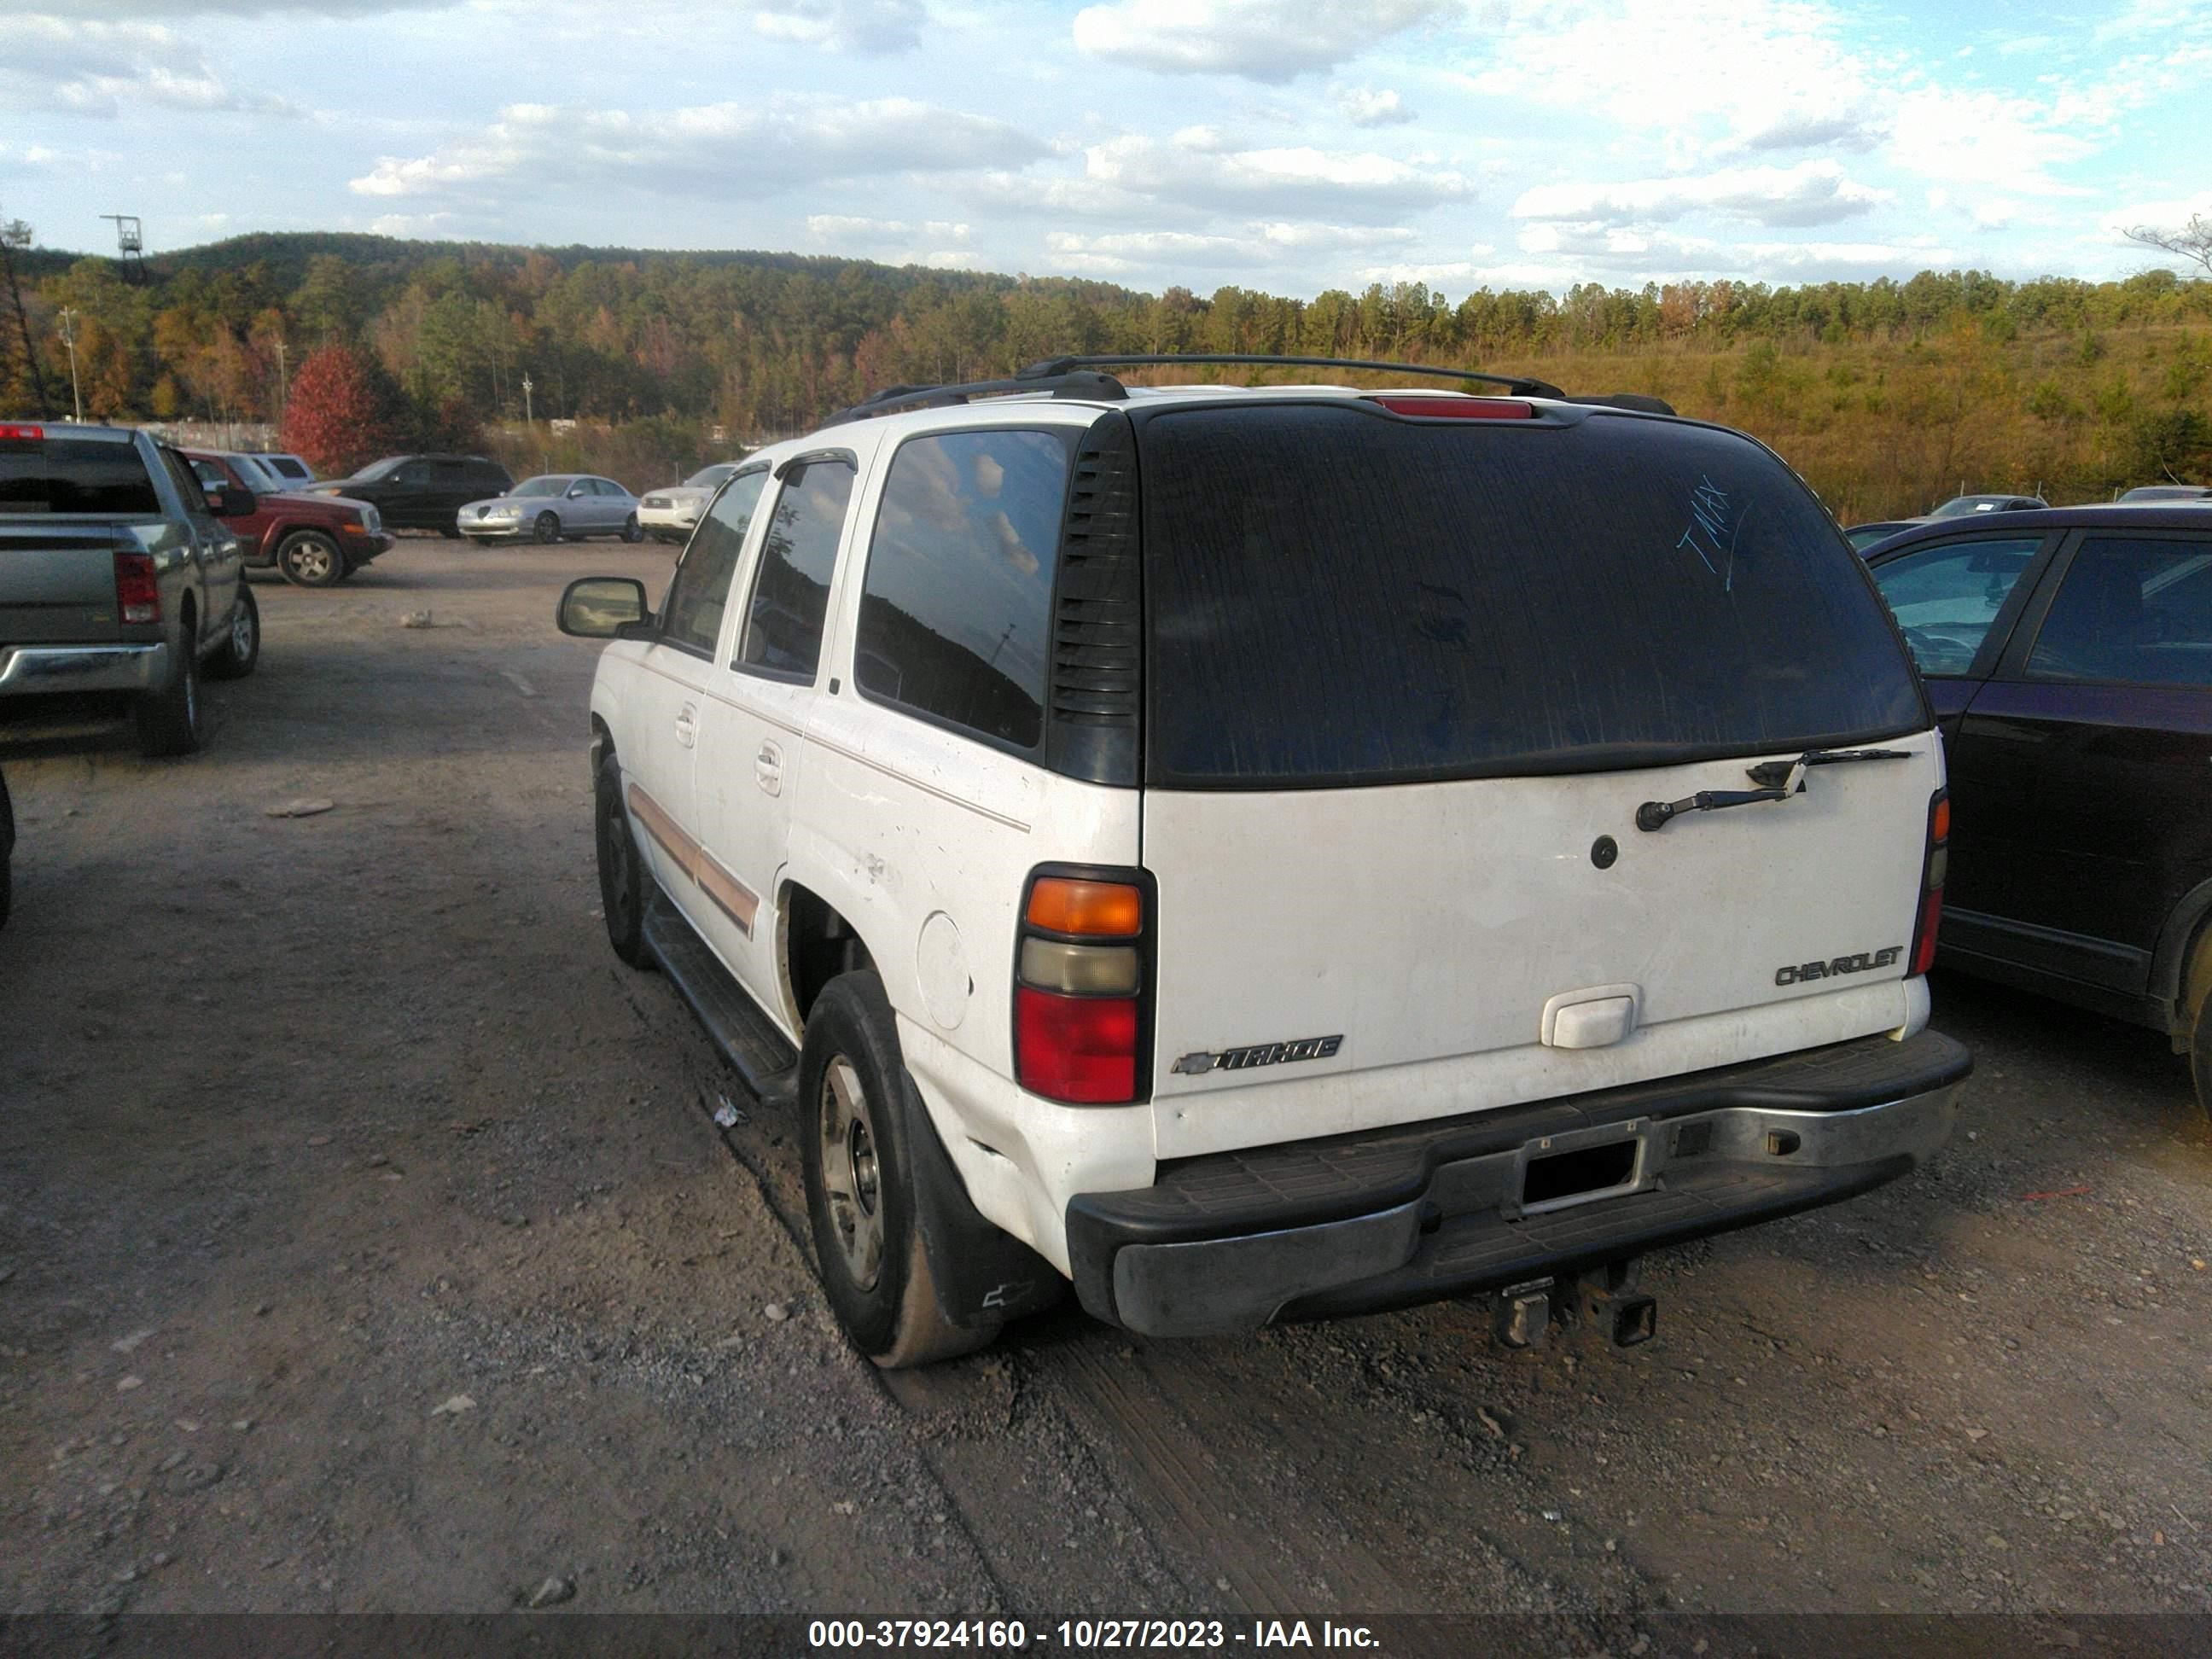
x=1340, y=596
x=74, y=475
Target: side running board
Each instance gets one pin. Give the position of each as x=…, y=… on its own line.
x=747, y=1038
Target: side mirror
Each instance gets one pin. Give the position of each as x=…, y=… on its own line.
x=232, y=502
x=605, y=608
x=577, y=492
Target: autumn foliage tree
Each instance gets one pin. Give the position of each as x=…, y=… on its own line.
x=342, y=412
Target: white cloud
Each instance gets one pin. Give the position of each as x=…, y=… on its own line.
x=1267, y=40
x=874, y=27
x=1811, y=193
x=1372, y=107
x=175, y=9
x=98, y=69
x=729, y=151
x=1197, y=170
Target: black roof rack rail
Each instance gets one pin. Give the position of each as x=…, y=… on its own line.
x=1523, y=385
x=895, y=399
x=1082, y=377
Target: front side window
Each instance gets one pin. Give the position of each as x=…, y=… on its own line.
x=791, y=592
x=2130, y=609
x=692, y=616
x=536, y=487
x=415, y=475
x=955, y=611
x=1945, y=598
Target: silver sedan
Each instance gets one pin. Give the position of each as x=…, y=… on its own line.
x=554, y=506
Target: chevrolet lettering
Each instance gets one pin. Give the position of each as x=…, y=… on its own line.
x=1864, y=961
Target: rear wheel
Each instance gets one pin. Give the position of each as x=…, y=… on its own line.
x=630, y=531
x=311, y=559
x=169, y=720
x=2196, y=1006
x=242, y=648
x=622, y=873
x=857, y=1102
x=548, y=529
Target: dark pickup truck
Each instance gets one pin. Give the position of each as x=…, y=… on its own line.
x=117, y=576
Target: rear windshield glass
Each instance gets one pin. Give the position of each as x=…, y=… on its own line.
x=74, y=475
x=1336, y=596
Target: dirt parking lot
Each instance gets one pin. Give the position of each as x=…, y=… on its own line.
x=367, y=1242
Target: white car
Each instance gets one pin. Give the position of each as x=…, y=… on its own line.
x=1387, y=844
x=668, y=514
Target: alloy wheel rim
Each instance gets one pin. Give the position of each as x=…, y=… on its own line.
x=851, y=1179
x=242, y=633
x=312, y=560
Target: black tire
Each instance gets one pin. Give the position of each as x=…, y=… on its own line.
x=631, y=533
x=860, y=1188
x=7, y=851
x=241, y=648
x=2197, y=1008
x=547, y=530
x=308, y=558
x=622, y=891
x=170, y=719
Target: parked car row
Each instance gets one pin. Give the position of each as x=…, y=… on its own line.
x=1866, y=536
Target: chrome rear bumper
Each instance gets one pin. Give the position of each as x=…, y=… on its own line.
x=38, y=670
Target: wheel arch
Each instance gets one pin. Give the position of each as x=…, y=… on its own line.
x=2186, y=924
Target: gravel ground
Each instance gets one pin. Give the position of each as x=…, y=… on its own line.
x=366, y=1243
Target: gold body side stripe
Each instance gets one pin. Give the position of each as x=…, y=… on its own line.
x=730, y=896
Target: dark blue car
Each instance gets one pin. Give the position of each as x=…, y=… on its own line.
x=2069, y=654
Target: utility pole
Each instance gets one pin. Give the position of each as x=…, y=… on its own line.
x=68, y=339
x=15, y=233
x=528, y=419
x=283, y=392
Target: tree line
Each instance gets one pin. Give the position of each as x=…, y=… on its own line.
x=2086, y=385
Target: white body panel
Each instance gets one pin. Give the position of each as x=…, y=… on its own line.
x=1430, y=925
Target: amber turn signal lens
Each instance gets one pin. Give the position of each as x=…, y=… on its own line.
x=1939, y=825
x=1103, y=909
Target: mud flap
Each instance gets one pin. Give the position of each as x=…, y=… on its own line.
x=984, y=1274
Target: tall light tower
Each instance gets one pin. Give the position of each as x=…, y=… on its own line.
x=68, y=338
x=15, y=233
x=129, y=244
x=283, y=390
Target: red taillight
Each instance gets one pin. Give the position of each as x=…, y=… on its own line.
x=28, y=434
x=1079, y=987
x=1080, y=1050
x=1934, y=865
x=138, y=596
x=1461, y=408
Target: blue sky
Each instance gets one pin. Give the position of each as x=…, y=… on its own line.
x=1290, y=145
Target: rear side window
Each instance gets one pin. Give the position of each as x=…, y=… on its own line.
x=700, y=589
x=74, y=475
x=1336, y=596
x=791, y=592
x=2136, y=611
x=956, y=609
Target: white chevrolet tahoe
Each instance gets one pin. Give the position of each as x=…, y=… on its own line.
x=1275, y=853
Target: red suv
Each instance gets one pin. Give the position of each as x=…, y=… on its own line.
x=315, y=540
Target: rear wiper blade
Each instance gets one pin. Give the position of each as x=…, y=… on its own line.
x=1780, y=779
x=1774, y=773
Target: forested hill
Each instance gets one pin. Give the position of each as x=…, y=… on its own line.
x=1885, y=389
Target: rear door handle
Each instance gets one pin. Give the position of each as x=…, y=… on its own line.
x=767, y=768
x=687, y=725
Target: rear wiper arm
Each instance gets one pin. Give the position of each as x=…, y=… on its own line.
x=1774, y=773
x=1655, y=814
x=1780, y=779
